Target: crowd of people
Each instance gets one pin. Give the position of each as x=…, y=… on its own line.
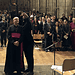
x=19, y=29
x=20, y=41
x=54, y=29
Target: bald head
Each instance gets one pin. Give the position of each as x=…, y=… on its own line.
x=73, y=19
x=15, y=20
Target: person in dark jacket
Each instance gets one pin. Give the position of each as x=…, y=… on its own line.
x=3, y=32
x=64, y=18
x=35, y=26
x=49, y=35
x=41, y=25
x=66, y=35
x=57, y=35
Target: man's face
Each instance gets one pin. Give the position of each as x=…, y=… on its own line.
x=23, y=17
x=40, y=19
x=16, y=20
x=7, y=14
x=63, y=15
x=46, y=16
x=30, y=19
x=54, y=17
x=48, y=20
x=43, y=19
x=4, y=12
x=73, y=20
x=65, y=22
x=56, y=23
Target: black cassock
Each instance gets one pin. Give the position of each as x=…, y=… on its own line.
x=14, y=54
x=28, y=44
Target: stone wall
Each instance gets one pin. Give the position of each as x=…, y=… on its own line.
x=63, y=6
x=43, y=6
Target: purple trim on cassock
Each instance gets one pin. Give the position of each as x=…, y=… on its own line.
x=17, y=35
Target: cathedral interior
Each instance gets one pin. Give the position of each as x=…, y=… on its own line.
x=43, y=61
x=54, y=7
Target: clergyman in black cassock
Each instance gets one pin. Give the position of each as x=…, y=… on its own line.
x=28, y=44
x=14, y=54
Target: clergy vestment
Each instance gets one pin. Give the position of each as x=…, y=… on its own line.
x=72, y=26
x=14, y=54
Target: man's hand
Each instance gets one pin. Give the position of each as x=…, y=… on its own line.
x=38, y=32
x=7, y=20
x=16, y=43
x=48, y=32
x=26, y=16
x=3, y=31
x=57, y=35
x=67, y=34
x=73, y=30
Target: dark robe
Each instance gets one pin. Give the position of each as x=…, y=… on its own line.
x=14, y=54
x=27, y=37
x=28, y=44
x=72, y=26
x=66, y=29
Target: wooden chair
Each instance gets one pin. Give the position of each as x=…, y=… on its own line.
x=39, y=37
x=65, y=69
